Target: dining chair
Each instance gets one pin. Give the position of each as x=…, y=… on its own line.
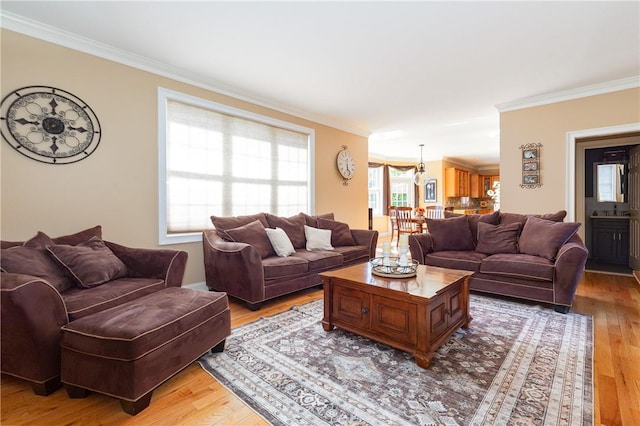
x=407, y=224
x=394, y=221
x=433, y=212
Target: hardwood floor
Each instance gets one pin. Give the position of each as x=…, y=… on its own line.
x=193, y=397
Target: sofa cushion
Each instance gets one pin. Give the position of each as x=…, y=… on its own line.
x=284, y=267
x=293, y=226
x=81, y=302
x=450, y=234
x=518, y=265
x=541, y=237
x=494, y=239
x=313, y=220
x=318, y=239
x=32, y=258
x=353, y=253
x=467, y=260
x=522, y=218
x=254, y=234
x=280, y=242
x=222, y=223
x=340, y=232
x=320, y=260
x=90, y=264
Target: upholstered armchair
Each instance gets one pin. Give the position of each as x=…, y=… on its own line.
x=47, y=283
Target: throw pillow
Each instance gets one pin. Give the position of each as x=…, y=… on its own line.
x=490, y=218
x=541, y=237
x=90, y=263
x=318, y=239
x=280, y=242
x=522, y=218
x=223, y=223
x=33, y=259
x=452, y=234
x=494, y=239
x=293, y=226
x=254, y=234
x=340, y=232
x=80, y=237
x=313, y=220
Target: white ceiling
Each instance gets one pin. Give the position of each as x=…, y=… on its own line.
x=408, y=73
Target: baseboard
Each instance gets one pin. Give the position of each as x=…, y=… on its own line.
x=637, y=275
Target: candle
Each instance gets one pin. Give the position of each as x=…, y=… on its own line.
x=386, y=248
x=403, y=240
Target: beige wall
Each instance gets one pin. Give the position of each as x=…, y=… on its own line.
x=549, y=125
x=116, y=186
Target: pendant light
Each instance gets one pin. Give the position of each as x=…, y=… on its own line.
x=420, y=176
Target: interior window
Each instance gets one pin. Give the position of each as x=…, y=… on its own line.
x=222, y=161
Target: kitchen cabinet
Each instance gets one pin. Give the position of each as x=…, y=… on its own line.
x=481, y=184
x=456, y=182
x=610, y=240
x=476, y=183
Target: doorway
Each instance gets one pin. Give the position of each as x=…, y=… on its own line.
x=607, y=226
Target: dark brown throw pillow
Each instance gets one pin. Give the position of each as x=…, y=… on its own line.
x=90, y=263
x=80, y=237
x=293, y=226
x=340, y=232
x=33, y=259
x=494, y=239
x=541, y=237
x=452, y=234
x=254, y=234
x=522, y=218
x=490, y=218
x=224, y=223
x=313, y=220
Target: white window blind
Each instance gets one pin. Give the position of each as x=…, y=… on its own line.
x=227, y=162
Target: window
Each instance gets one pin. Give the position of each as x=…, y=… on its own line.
x=402, y=190
x=222, y=161
x=375, y=190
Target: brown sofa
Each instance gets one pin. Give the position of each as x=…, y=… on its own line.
x=534, y=257
x=239, y=258
x=47, y=283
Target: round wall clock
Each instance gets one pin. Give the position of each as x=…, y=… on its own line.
x=346, y=165
x=49, y=125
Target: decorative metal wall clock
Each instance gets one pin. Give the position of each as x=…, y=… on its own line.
x=49, y=125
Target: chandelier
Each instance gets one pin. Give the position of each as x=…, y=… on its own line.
x=420, y=176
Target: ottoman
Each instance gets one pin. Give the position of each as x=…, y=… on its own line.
x=129, y=350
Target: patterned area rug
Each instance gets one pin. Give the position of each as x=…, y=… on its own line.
x=515, y=364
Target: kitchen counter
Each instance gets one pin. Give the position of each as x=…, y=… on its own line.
x=472, y=211
x=609, y=217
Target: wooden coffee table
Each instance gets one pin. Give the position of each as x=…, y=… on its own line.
x=416, y=315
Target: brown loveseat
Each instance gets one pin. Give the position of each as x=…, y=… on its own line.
x=534, y=257
x=239, y=258
x=47, y=283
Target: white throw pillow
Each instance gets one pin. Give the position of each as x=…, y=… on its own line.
x=318, y=239
x=280, y=242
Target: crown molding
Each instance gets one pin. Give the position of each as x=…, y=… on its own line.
x=48, y=33
x=567, y=95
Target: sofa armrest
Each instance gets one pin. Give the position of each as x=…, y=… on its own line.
x=31, y=314
x=420, y=245
x=569, y=266
x=166, y=264
x=235, y=268
x=366, y=237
